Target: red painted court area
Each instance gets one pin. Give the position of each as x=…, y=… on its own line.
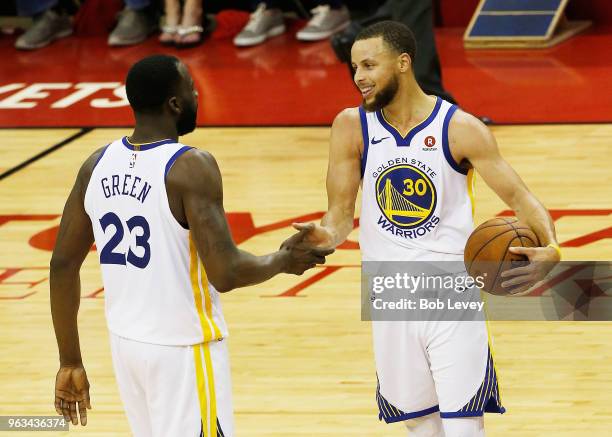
x=79, y=81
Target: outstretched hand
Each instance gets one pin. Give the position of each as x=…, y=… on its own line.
x=72, y=394
x=301, y=255
x=316, y=235
x=520, y=280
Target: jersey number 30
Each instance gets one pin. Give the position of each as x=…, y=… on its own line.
x=108, y=256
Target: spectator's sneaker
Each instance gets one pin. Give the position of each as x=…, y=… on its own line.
x=263, y=24
x=47, y=27
x=324, y=23
x=133, y=27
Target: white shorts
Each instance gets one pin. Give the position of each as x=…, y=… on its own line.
x=170, y=391
x=428, y=366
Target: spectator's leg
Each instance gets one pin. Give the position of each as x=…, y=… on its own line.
x=191, y=32
x=418, y=16
x=48, y=26
x=192, y=13
x=135, y=24
x=30, y=8
x=69, y=7
x=270, y=4
x=334, y=4
x=266, y=21
x=329, y=17
x=172, y=14
x=137, y=5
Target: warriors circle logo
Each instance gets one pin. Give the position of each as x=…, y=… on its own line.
x=406, y=196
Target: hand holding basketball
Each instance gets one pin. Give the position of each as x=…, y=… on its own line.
x=519, y=280
x=499, y=244
x=487, y=251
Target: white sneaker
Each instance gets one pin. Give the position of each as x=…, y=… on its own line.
x=263, y=24
x=324, y=23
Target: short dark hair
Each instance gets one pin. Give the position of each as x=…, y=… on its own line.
x=396, y=35
x=151, y=81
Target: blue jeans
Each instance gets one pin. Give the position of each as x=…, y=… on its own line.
x=29, y=8
x=137, y=4
x=272, y=4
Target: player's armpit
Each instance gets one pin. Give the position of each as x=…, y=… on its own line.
x=343, y=174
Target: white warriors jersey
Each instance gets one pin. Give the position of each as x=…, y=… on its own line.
x=155, y=285
x=417, y=202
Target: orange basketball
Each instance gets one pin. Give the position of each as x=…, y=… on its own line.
x=486, y=251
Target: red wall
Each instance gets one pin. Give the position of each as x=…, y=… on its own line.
x=454, y=13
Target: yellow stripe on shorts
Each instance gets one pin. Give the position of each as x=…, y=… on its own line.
x=206, y=388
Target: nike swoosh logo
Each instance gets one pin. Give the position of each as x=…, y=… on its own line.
x=375, y=141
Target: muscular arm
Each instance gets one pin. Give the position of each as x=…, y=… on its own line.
x=343, y=179
x=471, y=141
x=196, y=179
x=74, y=239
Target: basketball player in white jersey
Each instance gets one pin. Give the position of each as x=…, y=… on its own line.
x=155, y=210
x=436, y=377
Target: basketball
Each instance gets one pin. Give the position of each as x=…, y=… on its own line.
x=486, y=251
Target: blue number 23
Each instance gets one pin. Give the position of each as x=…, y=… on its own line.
x=108, y=256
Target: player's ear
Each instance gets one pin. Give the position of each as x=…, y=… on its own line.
x=405, y=62
x=174, y=105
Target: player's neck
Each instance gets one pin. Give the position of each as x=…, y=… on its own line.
x=148, y=131
x=409, y=107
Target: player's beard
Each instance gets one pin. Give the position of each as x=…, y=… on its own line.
x=383, y=97
x=187, y=121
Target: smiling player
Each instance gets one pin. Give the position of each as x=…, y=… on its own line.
x=415, y=156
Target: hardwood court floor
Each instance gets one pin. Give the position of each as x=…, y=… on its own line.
x=303, y=365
